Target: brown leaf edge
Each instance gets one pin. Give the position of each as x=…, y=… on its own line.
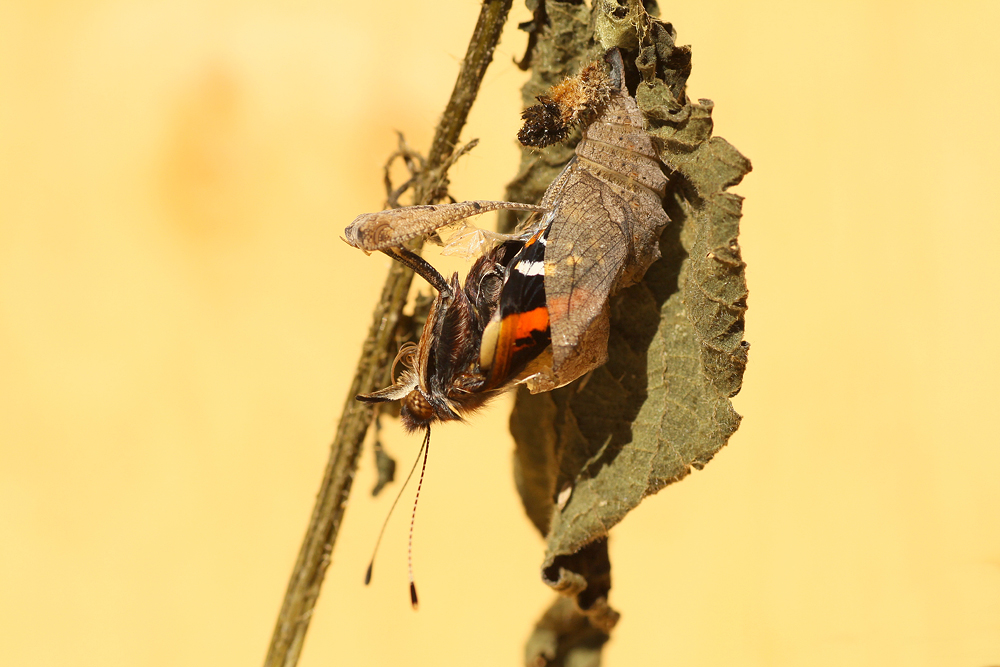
x=590, y=452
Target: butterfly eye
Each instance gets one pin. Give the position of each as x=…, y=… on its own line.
x=415, y=412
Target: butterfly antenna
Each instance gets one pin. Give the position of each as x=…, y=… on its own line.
x=413, y=517
x=368, y=572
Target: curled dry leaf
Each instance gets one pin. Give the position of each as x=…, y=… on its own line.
x=660, y=405
x=564, y=636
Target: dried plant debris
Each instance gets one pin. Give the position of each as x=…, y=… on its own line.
x=385, y=465
x=591, y=451
x=564, y=637
x=577, y=99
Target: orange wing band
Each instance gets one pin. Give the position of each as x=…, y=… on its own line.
x=516, y=336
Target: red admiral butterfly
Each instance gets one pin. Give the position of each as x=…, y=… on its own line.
x=534, y=308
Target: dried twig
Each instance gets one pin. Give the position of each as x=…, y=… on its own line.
x=328, y=512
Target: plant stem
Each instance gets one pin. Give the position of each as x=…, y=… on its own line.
x=328, y=512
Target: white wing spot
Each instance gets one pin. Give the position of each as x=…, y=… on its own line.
x=530, y=268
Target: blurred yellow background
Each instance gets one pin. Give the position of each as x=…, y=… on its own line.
x=179, y=323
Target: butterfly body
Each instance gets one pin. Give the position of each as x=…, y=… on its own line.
x=446, y=376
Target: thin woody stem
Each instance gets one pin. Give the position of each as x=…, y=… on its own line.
x=328, y=512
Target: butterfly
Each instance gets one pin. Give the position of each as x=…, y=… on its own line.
x=534, y=308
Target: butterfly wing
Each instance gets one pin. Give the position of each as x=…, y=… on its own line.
x=519, y=330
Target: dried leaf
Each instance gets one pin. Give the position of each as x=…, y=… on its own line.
x=590, y=452
x=385, y=465
x=564, y=637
